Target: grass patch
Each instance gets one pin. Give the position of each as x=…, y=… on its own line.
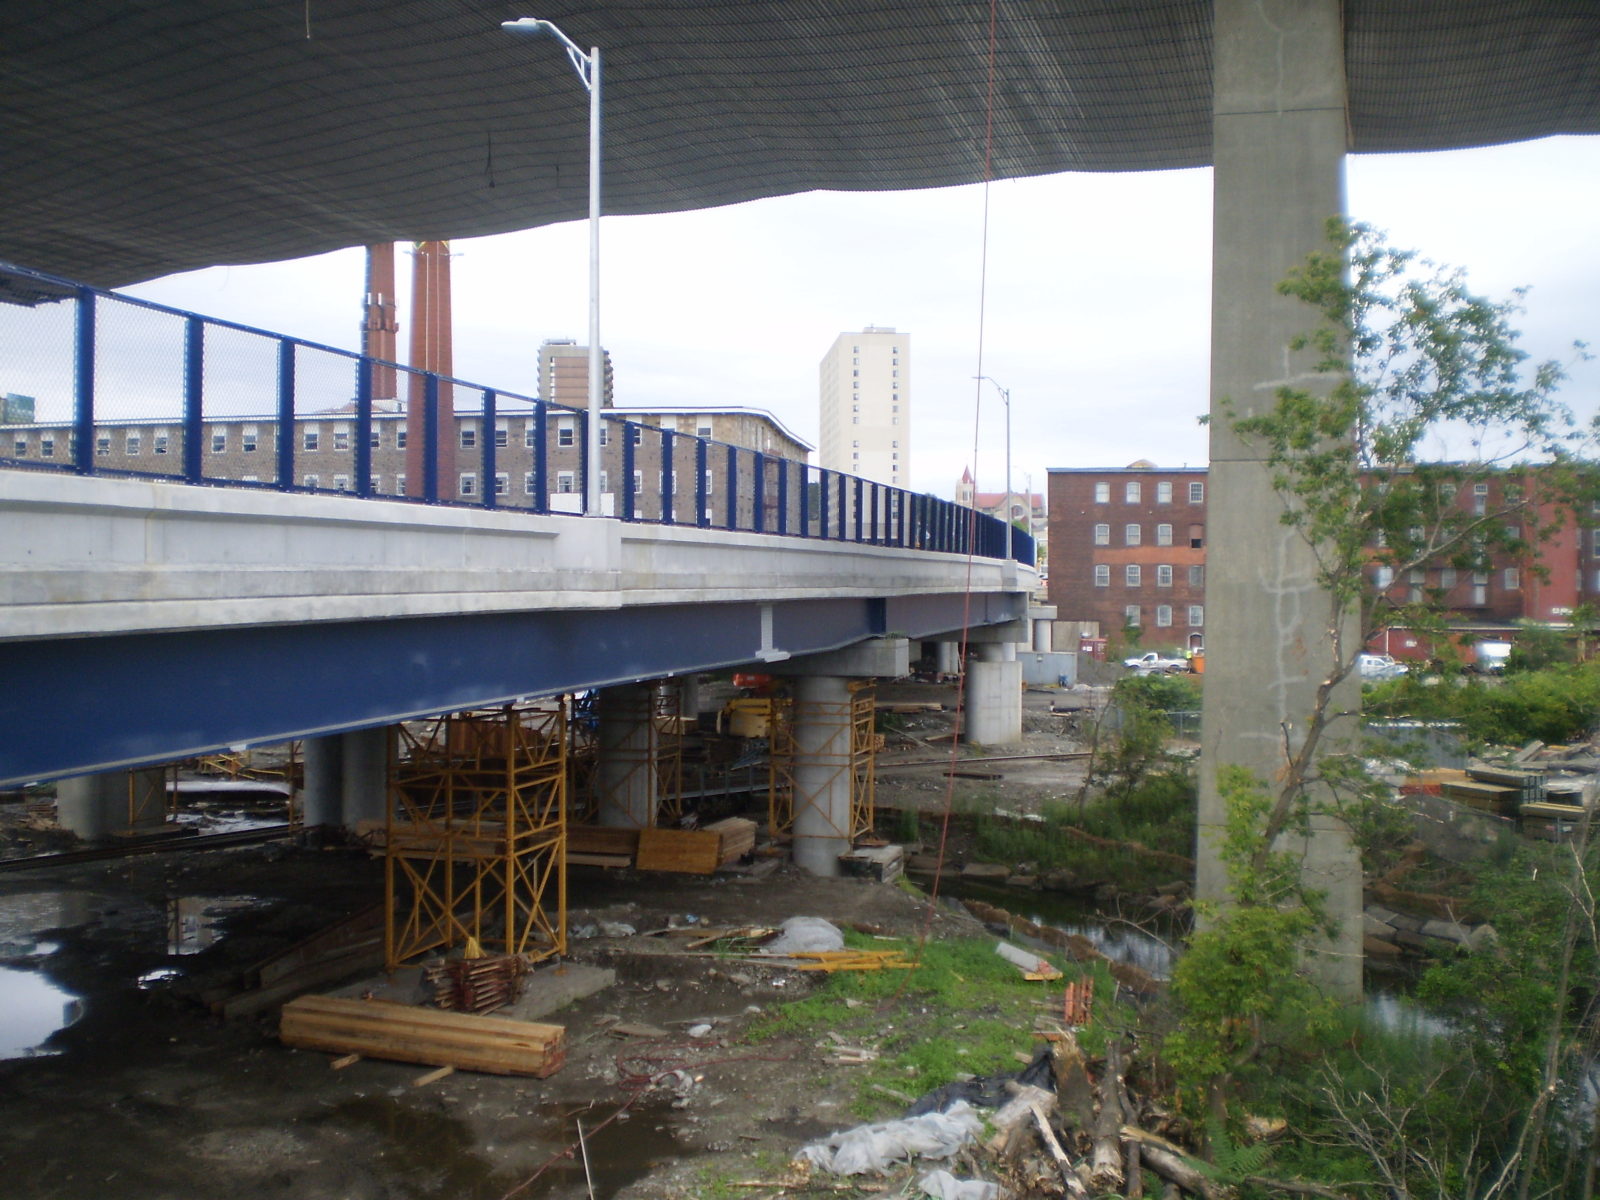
x=963, y=1011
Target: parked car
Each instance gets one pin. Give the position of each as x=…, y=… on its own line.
x=1153, y=663
x=1376, y=667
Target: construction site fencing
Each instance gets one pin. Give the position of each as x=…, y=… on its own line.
x=96, y=383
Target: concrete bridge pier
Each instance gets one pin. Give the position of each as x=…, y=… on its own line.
x=625, y=773
x=823, y=763
x=346, y=778
x=949, y=661
x=1279, y=125
x=994, y=685
x=108, y=803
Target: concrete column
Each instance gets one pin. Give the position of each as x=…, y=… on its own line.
x=1044, y=636
x=322, y=796
x=626, y=769
x=1279, y=131
x=364, y=776
x=112, y=802
x=821, y=772
x=994, y=696
x=949, y=658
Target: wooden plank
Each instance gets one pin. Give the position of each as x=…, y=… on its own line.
x=688, y=851
x=598, y=839
x=391, y=1013
x=541, y=1065
x=738, y=838
x=599, y=860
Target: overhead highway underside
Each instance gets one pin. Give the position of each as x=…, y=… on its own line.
x=145, y=138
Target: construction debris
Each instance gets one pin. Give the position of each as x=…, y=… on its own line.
x=404, y=1033
x=476, y=985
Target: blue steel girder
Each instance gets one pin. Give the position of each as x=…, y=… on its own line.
x=76, y=705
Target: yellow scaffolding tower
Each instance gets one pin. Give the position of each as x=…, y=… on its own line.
x=865, y=742
x=477, y=833
x=780, y=763
x=666, y=745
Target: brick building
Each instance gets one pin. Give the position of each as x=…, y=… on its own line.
x=246, y=449
x=1128, y=548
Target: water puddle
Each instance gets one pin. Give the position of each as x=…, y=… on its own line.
x=25, y=916
x=31, y=1010
x=439, y=1156
x=195, y=923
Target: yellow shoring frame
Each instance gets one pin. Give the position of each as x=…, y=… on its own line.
x=477, y=833
x=780, y=767
x=864, y=743
x=666, y=747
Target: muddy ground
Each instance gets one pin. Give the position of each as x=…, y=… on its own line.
x=145, y=1093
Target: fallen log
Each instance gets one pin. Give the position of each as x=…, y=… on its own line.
x=1105, y=1158
x=1069, y=1177
x=1172, y=1164
x=1015, y=1115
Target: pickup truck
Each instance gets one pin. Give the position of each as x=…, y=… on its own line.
x=1153, y=663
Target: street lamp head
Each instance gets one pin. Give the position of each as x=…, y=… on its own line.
x=529, y=25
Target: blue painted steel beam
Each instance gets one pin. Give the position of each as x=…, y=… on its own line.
x=86, y=704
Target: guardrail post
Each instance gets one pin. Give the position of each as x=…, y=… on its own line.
x=83, y=383
x=783, y=496
x=758, y=510
x=628, y=459
x=285, y=433
x=702, y=455
x=361, y=459
x=430, y=438
x=860, y=491
x=194, y=350
x=843, y=481
x=668, y=439
x=733, y=487
x=490, y=458
x=541, y=491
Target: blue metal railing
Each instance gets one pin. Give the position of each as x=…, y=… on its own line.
x=143, y=390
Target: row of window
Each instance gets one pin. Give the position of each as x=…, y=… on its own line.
x=1134, y=615
x=467, y=483
x=1133, y=492
x=1133, y=575
x=1133, y=535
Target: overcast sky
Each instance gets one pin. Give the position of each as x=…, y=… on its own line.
x=1096, y=309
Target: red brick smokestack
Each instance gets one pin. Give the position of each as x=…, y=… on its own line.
x=378, y=322
x=430, y=351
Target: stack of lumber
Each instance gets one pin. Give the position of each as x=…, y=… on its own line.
x=1530, y=785
x=343, y=949
x=476, y=985
x=379, y=1029
x=738, y=838
x=601, y=846
x=688, y=851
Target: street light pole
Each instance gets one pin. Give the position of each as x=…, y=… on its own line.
x=1005, y=395
x=588, y=68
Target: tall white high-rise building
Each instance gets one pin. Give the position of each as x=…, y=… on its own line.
x=865, y=390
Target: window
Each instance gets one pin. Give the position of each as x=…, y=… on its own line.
x=1133, y=492
x=1163, y=615
x=310, y=441
x=131, y=444
x=1102, y=493
x=400, y=484
x=102, y=445
x=638, y=482
x=1480, y=587
x=605, y=433
x=708, y=481
x=341, y=439
x=1164, y=575
x=400, y=437
x=159, y=443
x=219, y=443
x=1197, y=615
x=341, y=483
x=22, y=448
x=605, y=481
x=565, y=435
x=1163, y=535
x=1131, y=535
x=1447, y=577
x=1163, y=496
x=1131, y=574
x=375, y=484
x=1480, y=498
x=530, y=434
x=1130, y=615
x=1511, y=579
x=1102, y=575
x=1197, y=575
x=247, y=439
x=375, y=438
x=311, y=481
x=637, y=434
x=47, y=446
x=564, y=482
x=1197, y=537
x=1197, y=495
x=529, y=484
x=502, y=434
x=469, y=437
x=1102, y=535
x=502, y=484
x=1594, y=539
x=1382, y=577
x=703, y=429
